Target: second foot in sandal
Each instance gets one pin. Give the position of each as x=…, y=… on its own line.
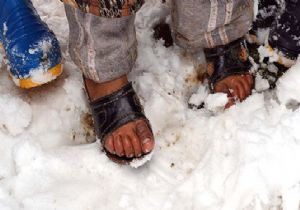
x=119, y=120
x=228, y=68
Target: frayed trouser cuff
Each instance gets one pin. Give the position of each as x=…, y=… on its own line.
x=103, y=48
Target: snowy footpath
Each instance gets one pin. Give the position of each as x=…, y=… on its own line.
x=244, y=158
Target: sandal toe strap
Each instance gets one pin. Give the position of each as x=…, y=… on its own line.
x=228, y=60
x=115, y=110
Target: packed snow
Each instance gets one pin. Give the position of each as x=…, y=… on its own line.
x=243, y=158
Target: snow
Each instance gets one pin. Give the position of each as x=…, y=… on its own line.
x=39, y=76
x=198, y=98
x=243, y=158
x=216, y=102
x=288, y=85
x=261, y=84
x=262, y=35
x=15, y=115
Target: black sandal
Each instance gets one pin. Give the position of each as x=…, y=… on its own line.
x=113, y=111
x=227, y=60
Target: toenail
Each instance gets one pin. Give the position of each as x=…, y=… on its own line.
x=146, y=140
x=141, y=128
x=131, y=155
x=139, y=155
x=147, y=150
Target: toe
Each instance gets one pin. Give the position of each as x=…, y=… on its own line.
x=136, y=143
x=250, y=81
x=146, y=137
x=229, y=103
x=235, y=92
x=128, y=148
x=246, y=86
x=241, y=90
x=221, y=88
x=109, y=144
x=119, y=146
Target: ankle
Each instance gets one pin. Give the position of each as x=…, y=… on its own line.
x=98, y=90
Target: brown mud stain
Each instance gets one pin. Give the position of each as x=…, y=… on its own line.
x=198, y=76
x=88, y=126
x=176, y=139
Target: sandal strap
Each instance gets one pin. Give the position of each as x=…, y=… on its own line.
x=227, y=61
x=115, y=110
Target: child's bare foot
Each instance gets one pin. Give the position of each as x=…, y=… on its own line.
x=131, y=140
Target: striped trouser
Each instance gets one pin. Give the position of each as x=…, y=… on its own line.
x=103, y=40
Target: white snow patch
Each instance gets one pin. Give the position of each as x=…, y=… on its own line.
x=140, y=162
x=288, y=85
x=263, y=35
x=199, y=97
x=261, y=84
x=265, y=52
x=15, y=114
x=216, y=102
x=39, y=75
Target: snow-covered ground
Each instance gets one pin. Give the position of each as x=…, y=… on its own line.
x=244, y=158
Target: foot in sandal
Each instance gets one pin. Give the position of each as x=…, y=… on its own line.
x=228, y=68
x=119, y=119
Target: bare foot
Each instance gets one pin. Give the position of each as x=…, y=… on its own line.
x=131, y=140
x=237, y=87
